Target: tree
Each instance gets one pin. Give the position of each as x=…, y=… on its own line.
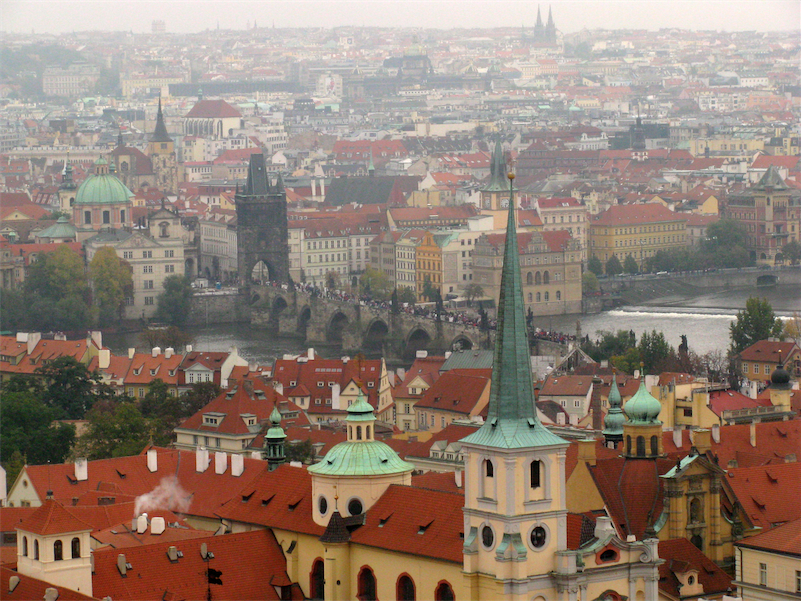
x=756, y=322
x=628, y=362
x=375, y=284
x=16, y=311
x=429, y=290
x=332, y=280
x=724, y=233
x=630, y=265
x=121, y=432
x=589, y=283
x=792, y=252
x=473, y=291
x=407, y=295
x=613, y=266
x=111, y=283
x=176, y=300
x=198, y=396
x=29, y=433
x=57, y=275
x=67, y=387
x=302, y=451
x=162, y=409
x=610, y=344
x=595, y=266
x=654, y=351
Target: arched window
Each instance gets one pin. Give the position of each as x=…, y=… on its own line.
x=641, y=446
x=58, y=550
x=654, y=445
x=535, y=470
x=628, y=445
x=405, y=588
x=367, y=432
x=444, y=592
x=164, y=230
x=25, y=546
x=539, y=297
x=358, y=432
x=317, y=580
x=529, y=278
x=558, y=295
x=367, y=586
x=530, y=297
x=76, y=547
x=546, y=278
x=489, y=469
x=122, y=217
x=538, y=278
x=695, y=511
x=547, y=296
x=36, y=549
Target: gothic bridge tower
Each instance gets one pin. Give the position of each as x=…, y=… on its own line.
x=262, y=240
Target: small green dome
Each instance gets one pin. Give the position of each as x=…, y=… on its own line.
x=361, y=458
x=276, y=432
x=360, y=410
x=103, y=187
x=643, y=407
x=615, y=418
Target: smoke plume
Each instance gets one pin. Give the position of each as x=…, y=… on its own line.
x=168, y=495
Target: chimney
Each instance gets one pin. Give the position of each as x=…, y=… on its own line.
x=81, y=469
x=237, y=465
x=201, y=460
x=51, y=594
x=458, y=478
x=421, y=354
x=586, y=450
x=97, y=337
x=335, y=401
x=310, y=353
x=131, y=353
x=157, y=525
x=104, y=358
x=703, y=441
x=122, y=564
x=152, y=460
x=33, y=339
x=603, y=527
x=677, y=436
x=716, y=433
x=169, y=352
x=753, y=433
x=188, y=348
x=401, y=373
x=279, y=388
x=220, y=462
x=172, y=553
x=156, y=351
x=255, y=455
x=248, y=386
x=12, y=583
x=141, y=524
x=322, y=187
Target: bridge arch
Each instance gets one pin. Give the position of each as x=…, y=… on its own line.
x=304, y=317
x=336, y=326
x=376, y=334
x=418, y=339
x=278, y=306
x=462, y=343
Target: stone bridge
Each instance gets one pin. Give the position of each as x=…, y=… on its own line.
x=320, y=321
x=749, y=277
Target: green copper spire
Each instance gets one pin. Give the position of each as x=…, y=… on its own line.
x=497, y=181
x=615, y=418
x=512, y=416
x=274, y=440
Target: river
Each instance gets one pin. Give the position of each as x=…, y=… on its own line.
x=703, y=319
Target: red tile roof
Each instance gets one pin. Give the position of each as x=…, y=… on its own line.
x=456, y=391
x=785, y=539
x=728, y=400
x=768, y=351
x=415, y=521
x=52, y=518
x=439, y=481
x=769, y=493
x=680, y=557
x=278, y=499
x=559, y=202
x=249, y=561
x=566, y=386
x=426, y=368
x=32, y=588
x=144, y=368
x=212, y=109
x=635, y=214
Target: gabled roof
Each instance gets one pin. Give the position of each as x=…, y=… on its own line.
x=456, y=391
x=212, y=109
x=425, y=368
x=142, y=364
x=768, y=351
x=566, y=386
x=415, y=521
x=681, y=556
x=250, y=563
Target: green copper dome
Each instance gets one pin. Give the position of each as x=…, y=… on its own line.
x=102, y=187
x=276, y=432
x=643, y=407
x=361, y=458
x=615, y=418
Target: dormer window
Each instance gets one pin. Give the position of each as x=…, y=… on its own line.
x=320, y=384
x=293, y=382
x=370, y=384
x=153, y=372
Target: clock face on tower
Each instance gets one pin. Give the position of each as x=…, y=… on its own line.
x=504, y=203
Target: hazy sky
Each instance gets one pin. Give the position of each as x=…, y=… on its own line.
x=570, y=15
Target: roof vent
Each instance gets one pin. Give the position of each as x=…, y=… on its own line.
x=173, y=554
x=51, y=594
x=122, y=565
x=12, y=583
x=157, y=525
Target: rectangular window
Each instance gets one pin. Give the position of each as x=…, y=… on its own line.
x=87, y=217
x=169, y=253
x=169, y=269
x=106, y=217
x=128, y=254
x=148, y=284
x=745, y=368
x=149, y=300
x=443, y=422
x=798, y=581
x=763, y=574
x=147, y=269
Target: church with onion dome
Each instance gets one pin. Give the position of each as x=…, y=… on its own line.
x=102, y=202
